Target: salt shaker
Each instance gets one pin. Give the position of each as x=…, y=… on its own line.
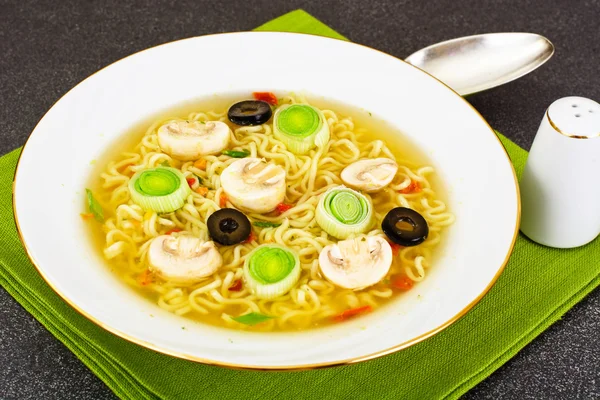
x=560, y=186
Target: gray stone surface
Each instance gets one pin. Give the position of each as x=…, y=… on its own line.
x=47, y=47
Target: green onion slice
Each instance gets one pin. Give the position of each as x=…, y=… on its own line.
x=266, y=224
x=94, y=207
x=252, y=318
x=271, y=270
x=159, y=189
x=300, y=127
x=343, y=212
x=235, y=153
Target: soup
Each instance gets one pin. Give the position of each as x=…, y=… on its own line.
x=270, y=214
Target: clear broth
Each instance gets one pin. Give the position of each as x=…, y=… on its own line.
x=402, y=148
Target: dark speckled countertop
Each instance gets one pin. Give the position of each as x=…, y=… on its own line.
x=47, y=47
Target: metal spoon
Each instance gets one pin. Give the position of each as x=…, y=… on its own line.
x=472, y=64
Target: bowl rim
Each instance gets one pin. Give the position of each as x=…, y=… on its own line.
x=251, y=367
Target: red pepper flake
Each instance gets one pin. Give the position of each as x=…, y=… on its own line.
x=223, y=200
x=173, y=231
x=351, y=313
x=87, y=215
x=281, y=208
x=251, y=237
x=145, y=278
x=414, y=187
x=200, y=164
x=395, y=248
x=191, y=182
x=266, y=96
x=236, y=287
x=403, y=283
x=201, y=190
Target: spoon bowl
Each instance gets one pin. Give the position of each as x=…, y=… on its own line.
x=472, y=64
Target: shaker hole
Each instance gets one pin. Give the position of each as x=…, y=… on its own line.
x=574, y=105
x=591, y=111
x=577, y=115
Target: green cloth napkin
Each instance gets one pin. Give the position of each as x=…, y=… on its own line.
x=537, y=287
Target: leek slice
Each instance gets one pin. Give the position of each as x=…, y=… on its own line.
x=159, y=189
x=235, y=153
x=343, y=212
x=252, y=318
x=266, y=224
x=271, y=270
x=300, y=127
x=94, y=207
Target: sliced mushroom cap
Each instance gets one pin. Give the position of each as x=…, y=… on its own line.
x=370, y=175
x=356, y=263
x=253, y=185
x=183, y=259
x=188, y=140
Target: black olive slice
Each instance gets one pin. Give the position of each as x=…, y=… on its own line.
x=228, y=226
x=405, y=227
x=250, y=112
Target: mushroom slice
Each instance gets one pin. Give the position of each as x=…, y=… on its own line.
x=370, y=175
x=356, y=263
x=253, y=185
x=188, y=140
x=183, y=259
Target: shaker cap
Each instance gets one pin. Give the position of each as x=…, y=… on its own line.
x=576, y=117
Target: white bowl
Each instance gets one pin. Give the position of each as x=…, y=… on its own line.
x=55, y=167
